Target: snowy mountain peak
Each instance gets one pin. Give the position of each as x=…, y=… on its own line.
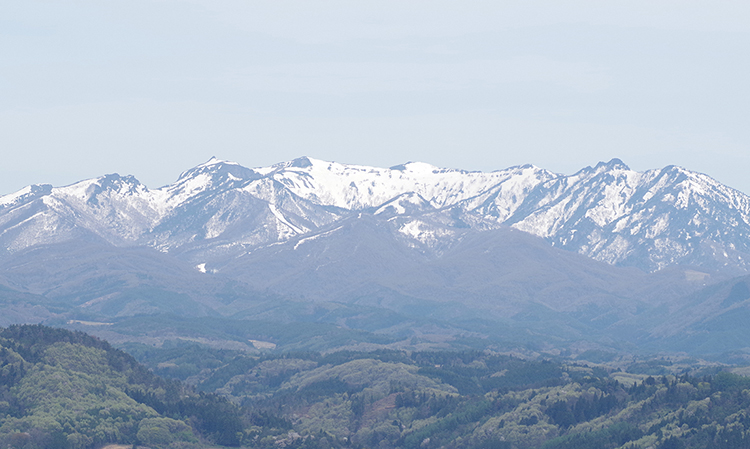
x=214, y=175
x=26, y=194
x=111, y=184
x=613, y=164
x=418, y=167
x=216, y=161
x=522, y=167
x=608, y=212
x=212, y=161
x=213, y=165
x=114, y=181
x=301, y=162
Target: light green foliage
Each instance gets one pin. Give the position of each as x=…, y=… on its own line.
x=334, y=415
x=514, y=424
x=46, y=387
x=80, y=359
x=369, y=380
x=375, y=376
x=65, y=390
x=160, y=432
x=79, y=441
x=264, y=377
x=61, y=398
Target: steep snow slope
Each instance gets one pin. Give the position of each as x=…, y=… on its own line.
x=651, y=220
x=119, y=209
x=220, y=209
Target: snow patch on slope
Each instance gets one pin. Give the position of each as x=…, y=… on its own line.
x=284, y=221
x=315, y=237
x=424, y=233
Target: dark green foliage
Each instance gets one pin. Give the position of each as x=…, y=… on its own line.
x=266, y=419
x=214, y=416
x=179, y=359
x=566, y=414
x=492, y=444
x=611, y=437
x=221, y=376
x=450, y=424
x=454, y=368
x=650, y=367
x=30, y=341
x=462, y=382
x=412, y=399
x=731, y=383
x=672, y=443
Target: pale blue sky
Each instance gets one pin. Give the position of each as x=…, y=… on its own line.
x=151, y=88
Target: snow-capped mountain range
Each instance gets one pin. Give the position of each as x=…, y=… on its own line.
x=220, y=210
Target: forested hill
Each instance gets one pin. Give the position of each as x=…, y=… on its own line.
x=62, y=389
x=467, y=399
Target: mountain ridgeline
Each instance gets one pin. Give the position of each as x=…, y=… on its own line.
x=408, y=256
x=650, y=220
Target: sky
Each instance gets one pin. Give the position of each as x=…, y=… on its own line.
x=154, y=87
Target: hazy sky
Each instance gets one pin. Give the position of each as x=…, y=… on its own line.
x=154, y=87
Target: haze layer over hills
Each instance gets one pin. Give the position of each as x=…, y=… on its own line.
x=409, y=255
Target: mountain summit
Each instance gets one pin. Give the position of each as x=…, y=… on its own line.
x=219, y=209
